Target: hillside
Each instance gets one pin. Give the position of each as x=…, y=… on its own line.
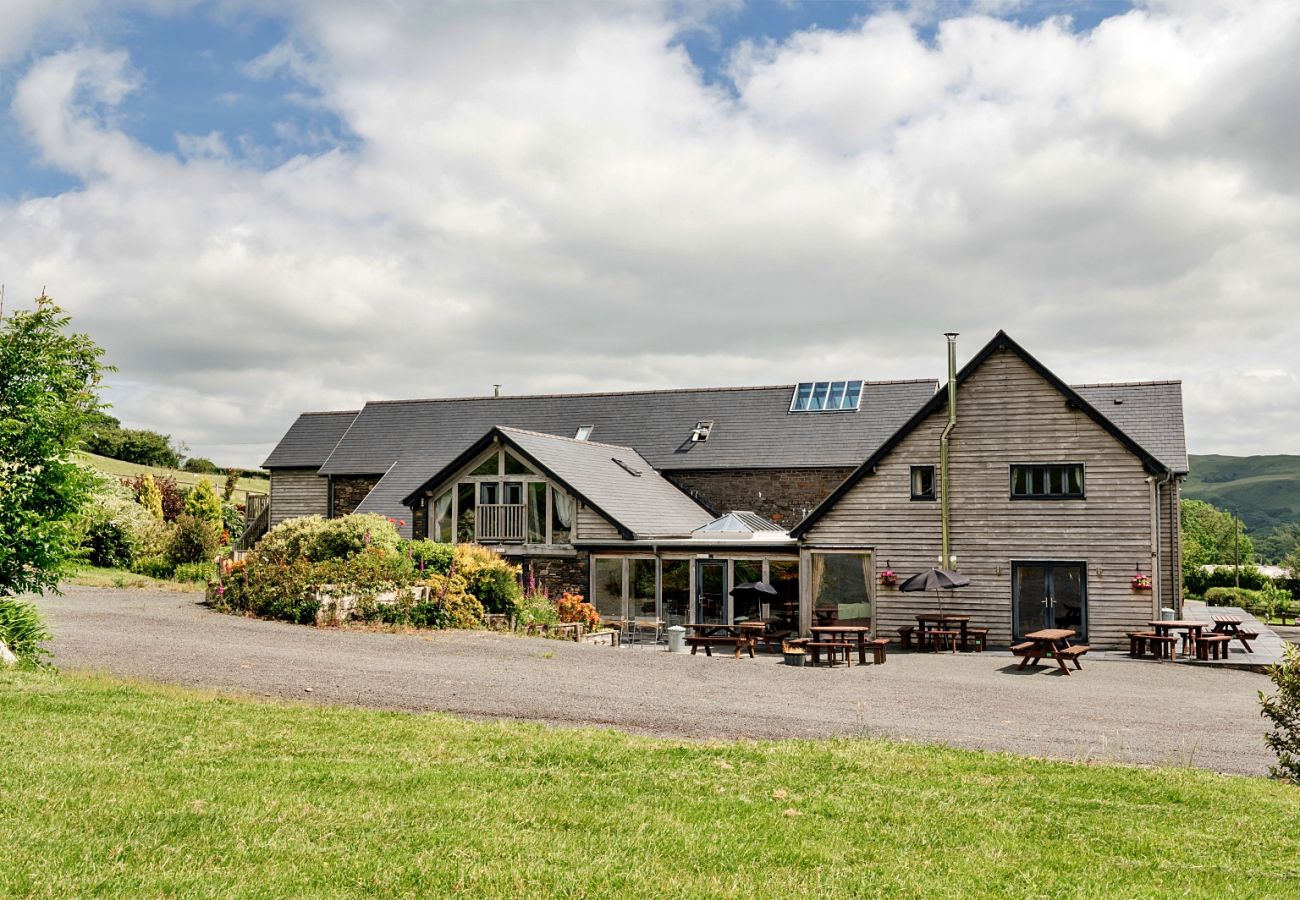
x=119, y=469
x=1265, y=490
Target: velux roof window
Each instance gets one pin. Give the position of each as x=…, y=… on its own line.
x=824, y=396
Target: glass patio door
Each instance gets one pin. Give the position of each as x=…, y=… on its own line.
x=711, y=591
x=1048, y=595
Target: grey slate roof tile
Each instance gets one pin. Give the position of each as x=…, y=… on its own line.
x=310, y=439
x=1150, y=412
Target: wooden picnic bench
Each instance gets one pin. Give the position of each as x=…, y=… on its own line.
x=1053, y=642
x=709, y=641
x=833, y=650
x=1231, y=626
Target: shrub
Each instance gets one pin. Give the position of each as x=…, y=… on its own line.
x=232, y=519
x=317, y=539
x=1283, y=710
x=446, y=606
x=203, y=503
x=202, y=465
x=173, y=496
x=350, y=535
x=115, y=530
x=232, y=482
x=154, y=567
x=535, y=608
x=1227, y=596
x=193, y=572
x=290, y=539
x=193, y=540
x=428, y=556
x=573, y=608
x=492, y=580
x=150, y=497
x=23, y=630
x=1197, y=581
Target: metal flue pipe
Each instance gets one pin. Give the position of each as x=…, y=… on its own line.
x=944, y=509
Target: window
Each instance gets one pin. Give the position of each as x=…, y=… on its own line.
x=841, y=588
x=561, y=516
x=487, y=492
x=1055, y=481
x=536, y=512
x=607, y=586
x=701, y=432
x=676, y=590
x=513, y=466
x=821, y=396
x=442, y=531
x=641, y=601
x=923, y=483
x=584, y=432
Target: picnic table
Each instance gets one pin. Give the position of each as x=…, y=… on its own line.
x=938, y=620
x=741, y=636
x=1191, y=627
x=1053, y=642
x=849, y=634
x=1231, y=626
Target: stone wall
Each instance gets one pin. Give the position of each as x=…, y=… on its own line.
x=785, y=496
x=558, y=574
x=350, y=490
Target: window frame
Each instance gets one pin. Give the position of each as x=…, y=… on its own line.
x=806, y=393
x=934, y=483
x=1047, y=468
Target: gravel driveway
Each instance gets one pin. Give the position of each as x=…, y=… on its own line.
x=1114, y=710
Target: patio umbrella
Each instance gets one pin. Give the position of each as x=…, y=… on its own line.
x=754, y=591
x=934, y=580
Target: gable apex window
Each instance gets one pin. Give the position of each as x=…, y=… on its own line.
x=923, y=483
x=826, y=396
x=1049, y=481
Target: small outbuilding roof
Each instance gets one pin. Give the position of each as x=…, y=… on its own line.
x=310, y=440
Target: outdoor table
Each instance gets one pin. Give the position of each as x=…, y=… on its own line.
x=849, y=633
x=1193, y=628
x=746, y=633
x=1048, y=642
x=938, y=618
x=1227, y=624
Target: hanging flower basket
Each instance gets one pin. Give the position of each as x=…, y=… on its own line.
x=1141, y=582
x=888, y=578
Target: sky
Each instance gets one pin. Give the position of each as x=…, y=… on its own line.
x=261, y=208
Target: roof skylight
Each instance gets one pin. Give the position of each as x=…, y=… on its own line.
x=825, y=396
x=584, y=432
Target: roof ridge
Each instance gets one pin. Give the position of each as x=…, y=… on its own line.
x=331, y=412
x=1098, y=384
x=560, y=437
x=639, y=392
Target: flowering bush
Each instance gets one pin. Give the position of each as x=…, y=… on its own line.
x=172, y=495
x=574, y=608
x=318, y=539
x=1141, y=582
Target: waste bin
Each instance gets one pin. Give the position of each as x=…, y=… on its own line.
x=1166, y=614
x=676, y=639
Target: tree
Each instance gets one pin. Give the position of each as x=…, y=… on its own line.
x=1210, y=536
x=49, y=382
x=151, y=497
x=232, y=482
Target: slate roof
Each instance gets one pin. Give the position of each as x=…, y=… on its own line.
x=1150, y=412
x=753, y=427
x=645, y=504
x=310, y=439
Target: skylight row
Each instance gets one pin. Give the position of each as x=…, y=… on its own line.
x=823, y=396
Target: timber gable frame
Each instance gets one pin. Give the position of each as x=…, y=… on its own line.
x=939, y=402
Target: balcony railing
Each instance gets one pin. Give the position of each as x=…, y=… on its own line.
x=501, y=523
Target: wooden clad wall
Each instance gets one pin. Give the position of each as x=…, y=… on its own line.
x=592, y=526
x=297, y=492
x=1006, y=413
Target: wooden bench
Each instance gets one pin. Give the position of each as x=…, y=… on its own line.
x=1245, y=637
x=905, y=636
x=1212, y=646
x=1072, y=654
x=1163, y=646
x=943, y=637
x=718, y=640
x=1023, y=648
x=878, y=646
x=979, y=637
x=1137, y=642
x=832, y=648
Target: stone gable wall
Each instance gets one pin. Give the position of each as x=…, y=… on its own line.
x=785, y=496
x=350, y=490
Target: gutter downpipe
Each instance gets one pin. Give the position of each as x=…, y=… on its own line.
x=944, y=509
x=1155, y=546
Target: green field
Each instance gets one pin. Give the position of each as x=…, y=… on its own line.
x=119, y=469
x=126, y=790
x=1265, y=490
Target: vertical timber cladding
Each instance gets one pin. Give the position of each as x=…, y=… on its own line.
x=297, y=492
x=1006, y=413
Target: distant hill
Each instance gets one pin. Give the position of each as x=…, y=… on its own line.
x=1265, y=490
x=119, y=469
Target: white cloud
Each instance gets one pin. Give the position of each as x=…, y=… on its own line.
x=550, y=197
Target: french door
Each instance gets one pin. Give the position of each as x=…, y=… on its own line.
x=711, y=591
x=1049, y=595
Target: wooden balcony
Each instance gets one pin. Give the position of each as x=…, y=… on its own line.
x=501, y=523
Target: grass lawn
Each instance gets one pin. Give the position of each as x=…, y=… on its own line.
x=119, y=469
x=133, y=790
x=94, y=576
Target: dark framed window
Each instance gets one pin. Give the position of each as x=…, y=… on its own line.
x=923, y=483
x=1053, y=481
